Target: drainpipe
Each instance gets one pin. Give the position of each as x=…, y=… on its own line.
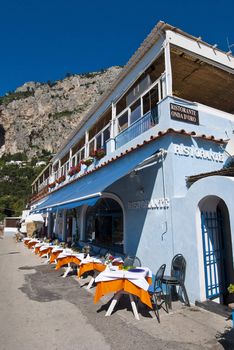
x=163, y=153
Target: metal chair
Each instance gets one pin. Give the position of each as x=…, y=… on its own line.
x=156, y=292
x=132, y=261
x=177, y=278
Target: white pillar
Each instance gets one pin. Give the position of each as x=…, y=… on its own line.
x=70, y=158
x=64, y=226
x=110, y=144
x=86, y=144
x=168, y=70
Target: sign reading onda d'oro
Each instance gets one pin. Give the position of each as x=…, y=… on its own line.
x=184, y=114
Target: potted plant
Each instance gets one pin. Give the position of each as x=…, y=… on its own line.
x=52, y=184
x=61, y=179
x=99, y=153
x=74, y=170
x=231, y=288
x=87, y=161
x=231, y=305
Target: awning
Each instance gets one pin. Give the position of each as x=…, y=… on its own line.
x=88, y=189
x=74, y=203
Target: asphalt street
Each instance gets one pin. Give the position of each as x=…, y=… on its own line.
x=41, y=310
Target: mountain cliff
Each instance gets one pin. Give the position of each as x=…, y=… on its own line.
x=37, y=117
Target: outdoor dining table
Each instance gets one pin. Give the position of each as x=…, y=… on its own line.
x=134, y=282
x=66, y=258
x=91, y=264
x=46, y=250
x=55, y=253
x=32, y=243
x=37, y=247
x=27, y=240
x=96, y=265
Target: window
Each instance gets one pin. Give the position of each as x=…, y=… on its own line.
x=106, y=136
x=135, y=111
x=91, y=147
x=123, y=121
x=150, y=99
x=99, y=141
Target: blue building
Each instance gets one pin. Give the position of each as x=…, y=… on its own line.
x=149, y=171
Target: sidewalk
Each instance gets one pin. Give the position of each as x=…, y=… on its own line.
x=40, y=309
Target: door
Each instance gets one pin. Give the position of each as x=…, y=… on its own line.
x=212, y=226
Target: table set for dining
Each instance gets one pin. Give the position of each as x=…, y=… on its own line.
x=134, y=282
x=109, y=276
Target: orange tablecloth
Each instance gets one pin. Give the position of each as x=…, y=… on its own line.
x=67, y=260
x=31, y=244
x=26, y=241
x=125, y=285
x=53, y=256
x=37, y=250
x=45, y=251
x=90, y=267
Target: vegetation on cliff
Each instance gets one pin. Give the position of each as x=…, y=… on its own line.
x=16, y=175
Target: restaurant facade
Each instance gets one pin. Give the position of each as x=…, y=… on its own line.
x=149, y=170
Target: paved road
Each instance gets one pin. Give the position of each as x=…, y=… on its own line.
x=41, y=310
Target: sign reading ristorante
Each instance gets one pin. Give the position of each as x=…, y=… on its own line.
x=184, y=114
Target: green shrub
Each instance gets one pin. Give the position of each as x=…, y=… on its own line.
x=12, y=96
x=60, y=115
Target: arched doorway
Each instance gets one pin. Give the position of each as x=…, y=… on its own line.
x=104, y=224
x=217, y=248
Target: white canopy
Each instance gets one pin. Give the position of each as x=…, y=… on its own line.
x=34, y=218
x=23, y=228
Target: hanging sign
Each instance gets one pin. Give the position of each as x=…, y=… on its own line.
x=184, y=114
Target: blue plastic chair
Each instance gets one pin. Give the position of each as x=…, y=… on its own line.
x=156, y=292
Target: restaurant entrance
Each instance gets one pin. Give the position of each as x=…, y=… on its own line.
x=104, y=224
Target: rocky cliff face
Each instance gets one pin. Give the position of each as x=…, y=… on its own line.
x=39, y=116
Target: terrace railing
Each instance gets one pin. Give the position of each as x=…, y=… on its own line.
x=137, y=128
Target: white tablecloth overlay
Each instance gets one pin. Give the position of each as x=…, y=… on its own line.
x=57, y=248
x=137, y=278
x=39, y=244
x=90, y=259
x=34, y=240
x=45, y=246
x=69, y=252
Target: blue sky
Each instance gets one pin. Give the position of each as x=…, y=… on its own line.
x=43, y=40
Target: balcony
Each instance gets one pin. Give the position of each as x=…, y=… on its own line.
x=137, y=128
